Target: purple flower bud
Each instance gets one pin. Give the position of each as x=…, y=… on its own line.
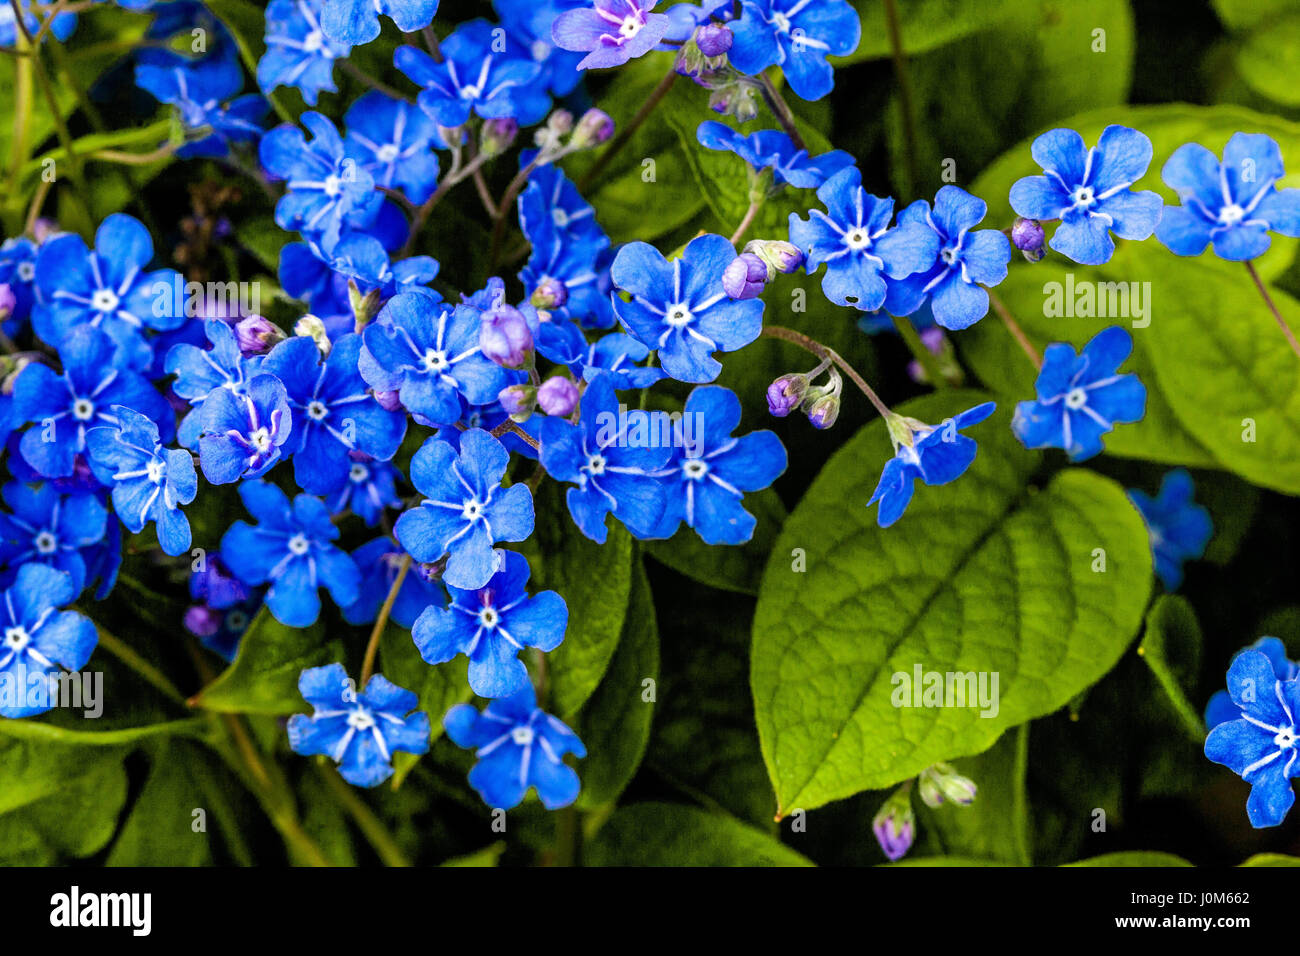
x=714, y=39
x=202, y=621
x=257, y=336
x=783, y=257
x=389, y=401
x=1027, y=235
x=8, y=301
x=594, y=128
x=558, y=396
x=823, y=412
x=45, y=228
x=786, y=393
x=895, y=827
x=550, y=294
x=497, y=136
x=518, y=400
x=745, y=277
x=505, y=338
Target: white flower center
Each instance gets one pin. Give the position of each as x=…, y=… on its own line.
x=630, y=27
x=1083, y=196
x=472, y=510
x=313, y=41
x=1231, y=214
x=695, y=468
x=360, y=719
x=26, y=271
x=299, y=544
x=316, y=410
x=154, y=471
x=16, y=638
x=780, y=21
x=678, y=315
x=333, y=185
x=387, y=153
x=104, y=300
x=559, y=217
x=45, y=543
x=489, y=617
x=470, y=92
x=1076, y=398
x=261, y=440
x=948, y=254
x=83, y=409
x=1286, y=738
x=857, y=239
x=523, y=736
x=596, y=464
x=434, y=360
x=358, y=473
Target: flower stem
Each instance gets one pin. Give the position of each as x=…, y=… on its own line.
x=1014, y=328
x=826, y=352
x=748, y=221
x=625, y=134
x=360, y=75
x=372, y=648
x=923, y=355
x=781, y=110
x=905, y=99
x=1272, y=307
x=510, y=428
x=379, y=836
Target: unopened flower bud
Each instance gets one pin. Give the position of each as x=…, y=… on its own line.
x=941, y=782
x=786, y=393
x=202, y=620
x=550, y=138
x=714, y=39
x=594, y=128
x=745, y=277
x=558, y=396
x=311, y=327
x=45, y=228
x=1027, y=235
x=823, y=411
x=550, y=294
x=505, y=338
x=518, y=401
x=497, y=136
x=257, y=336
x=895, y=824
x=8, y=301
x=781, y=256
x=389, y=401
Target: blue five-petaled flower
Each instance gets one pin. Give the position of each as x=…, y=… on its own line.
x=355, y=22
x=798, y=35
x=1179, y=528
x=519, y=746
x=1090, y=191
x=37, y=639
x=358, y=730
x=1081, y=397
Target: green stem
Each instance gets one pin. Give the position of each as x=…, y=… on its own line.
x=372, y=648
x=927, y=359
x=147, y=671
x=1272, y=307
x=905, y=99
x=626, y=133
x=826, y=352
x=746, y=222
x=1014, y=328
x=375, y=832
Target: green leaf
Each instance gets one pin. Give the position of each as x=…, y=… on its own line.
x=991, y=574
x=1269, y=60
x=1171, y=647
x=1272, y=859
x=615, y=722
x=595, y=581
x=1133, y=858
x=728, y=568
x=264, y=677
x=945, y=861
x=666, y=834
x=28, y=729
x=487, y=857
x=924, y=24
x=1213, y=360
x=159, y=831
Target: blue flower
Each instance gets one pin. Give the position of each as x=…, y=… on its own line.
x=298, y=53
x=853, y=238
x=1179, y=528
x=1081, y=398
x=614, y=354
x=475, y=79
x=198, y=90
x=220, y=630
x=36, y=639
x=65, y=406
x=61, y=27
x=333, y=414
x=1260, y=744
x=774, y=150
x=937, y=454
x=1221, y=708
x=380, y=561
x=291, y=549
x=149, y=482
x=1089, y=191
x=393, y=141
x=611, y=464
x=578, y=267
x=519, y=746
x=466, y=510
x=1233, y=204
x=610, y=32
x=529, y=22
x=798, y=35
x=199, y=371
x=680, y=307
x=359, y=731
x=243, y=432
x=327, y=191
x=551, y=203
x=966, y=260
x=491, y=625
x=45, y=526
x=18, y=271
x=368, y=490
x=709, y=471
x=354, y=22
x=108, y=288
x=428, y=352
x=216, y=586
